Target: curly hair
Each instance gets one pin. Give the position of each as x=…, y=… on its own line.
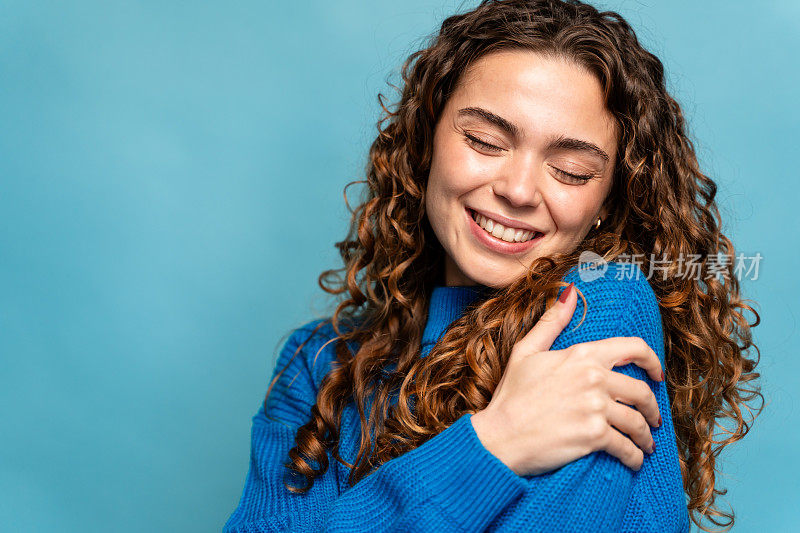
x=661, y=206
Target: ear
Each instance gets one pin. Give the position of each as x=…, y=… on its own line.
x=605, y=209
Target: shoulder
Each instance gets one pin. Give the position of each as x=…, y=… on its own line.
x=309, y=348
x=611, y=283
x=620, y=302
x=302, y=363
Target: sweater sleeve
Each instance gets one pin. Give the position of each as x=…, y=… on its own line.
x=597, y=492
x=449, y=482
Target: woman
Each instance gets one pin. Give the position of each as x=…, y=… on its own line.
x=450, y=390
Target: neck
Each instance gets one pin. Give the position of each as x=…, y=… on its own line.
x=447, y=303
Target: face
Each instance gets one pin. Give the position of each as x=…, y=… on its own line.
x=523, y=158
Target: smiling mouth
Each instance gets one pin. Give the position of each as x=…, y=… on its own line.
x=503, y=233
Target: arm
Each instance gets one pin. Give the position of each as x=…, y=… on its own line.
x=598, y=492
x=658, y=501
x=450, y=482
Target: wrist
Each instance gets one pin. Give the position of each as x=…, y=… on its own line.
x=492, y=439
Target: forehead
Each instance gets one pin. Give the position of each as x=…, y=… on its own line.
x=541, y=94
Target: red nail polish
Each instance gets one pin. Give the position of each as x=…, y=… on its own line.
x=662, y=375
x=659, y=420
x=565, y=293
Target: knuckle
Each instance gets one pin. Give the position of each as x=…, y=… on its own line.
x=593, y=376
x=596, y=429
x=579, y=351
x=596, y=403
x=548, y=316
x=643, y=345
x=644, y=392
x=635, y=423
x=637, y=458
x=641, y=425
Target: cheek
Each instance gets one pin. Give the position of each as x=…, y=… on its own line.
x=573, y=210
x=456, y=169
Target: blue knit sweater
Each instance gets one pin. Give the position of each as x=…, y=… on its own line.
x=452, y=482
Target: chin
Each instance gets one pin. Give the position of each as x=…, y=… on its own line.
x=495, y=278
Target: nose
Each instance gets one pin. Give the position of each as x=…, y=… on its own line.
x=520, y=185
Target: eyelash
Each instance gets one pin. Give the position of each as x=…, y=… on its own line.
x=492, y=148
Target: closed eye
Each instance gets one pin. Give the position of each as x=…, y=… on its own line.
x=582, y=178
x=477, y=143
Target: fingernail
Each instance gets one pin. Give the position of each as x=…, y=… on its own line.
x=662, y=375
x=653, y=449
x=565, y=293
x=659, y=420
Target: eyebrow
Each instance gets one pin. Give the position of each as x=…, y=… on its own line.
x=560, y=142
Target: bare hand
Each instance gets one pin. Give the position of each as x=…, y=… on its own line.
x=552, y=407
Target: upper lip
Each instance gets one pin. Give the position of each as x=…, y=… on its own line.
x=505, y=221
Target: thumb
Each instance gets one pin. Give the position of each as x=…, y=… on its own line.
x=541, y=336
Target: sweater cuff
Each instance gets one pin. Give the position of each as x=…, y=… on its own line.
x=464, y=478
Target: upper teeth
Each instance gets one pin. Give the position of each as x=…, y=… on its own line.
x=502, y=232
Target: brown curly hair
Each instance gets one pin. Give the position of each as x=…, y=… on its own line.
x=660, y=206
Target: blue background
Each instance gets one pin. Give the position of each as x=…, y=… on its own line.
x=171, y=180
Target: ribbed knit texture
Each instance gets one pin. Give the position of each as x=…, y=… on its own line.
x=452, y=482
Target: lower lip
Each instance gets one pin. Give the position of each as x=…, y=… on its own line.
x=499, y=245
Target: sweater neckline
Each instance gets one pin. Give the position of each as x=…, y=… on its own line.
x=446, y=305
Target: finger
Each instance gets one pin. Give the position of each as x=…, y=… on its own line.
x=551, y=324
x=623, y=449
x=619, y=351
x=636, y=393
x=632, y=423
